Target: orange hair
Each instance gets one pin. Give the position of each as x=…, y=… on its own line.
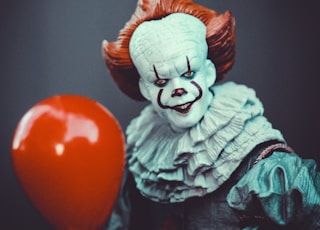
x=220, y=38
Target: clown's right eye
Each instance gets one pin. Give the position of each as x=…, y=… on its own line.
x=161, y=82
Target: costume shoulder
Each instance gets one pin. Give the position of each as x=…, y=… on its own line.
x=287, y=186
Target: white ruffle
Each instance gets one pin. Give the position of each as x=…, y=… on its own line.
x=171, y=167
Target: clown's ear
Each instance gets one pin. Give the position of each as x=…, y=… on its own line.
x=144, y=89
x=211, y=73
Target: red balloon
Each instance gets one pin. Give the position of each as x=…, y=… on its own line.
x=68, y=153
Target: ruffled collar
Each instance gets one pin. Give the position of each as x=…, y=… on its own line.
x=171, y=167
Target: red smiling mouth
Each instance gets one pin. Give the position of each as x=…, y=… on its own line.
x=183, y=108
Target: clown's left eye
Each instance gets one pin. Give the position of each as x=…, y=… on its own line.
x=188, y=74
x=161, y=82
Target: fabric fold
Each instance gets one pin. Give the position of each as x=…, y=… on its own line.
x=286, y=186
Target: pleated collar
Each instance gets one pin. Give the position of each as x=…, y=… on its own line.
x=171, y=167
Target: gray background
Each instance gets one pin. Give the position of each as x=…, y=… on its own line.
x=53, y=47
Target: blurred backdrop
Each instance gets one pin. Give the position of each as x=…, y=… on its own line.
x=54, y=47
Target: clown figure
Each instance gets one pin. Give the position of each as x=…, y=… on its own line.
x=201, y=155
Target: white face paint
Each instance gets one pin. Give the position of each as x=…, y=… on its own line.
x=171, y=57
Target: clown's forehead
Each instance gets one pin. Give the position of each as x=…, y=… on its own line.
x=167, y=43
x=171, y=65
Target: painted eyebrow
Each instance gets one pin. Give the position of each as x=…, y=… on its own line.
x=156, y=72
x=188, y=64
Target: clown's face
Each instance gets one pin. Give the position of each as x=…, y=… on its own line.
x=181, y=97
x=174, y=69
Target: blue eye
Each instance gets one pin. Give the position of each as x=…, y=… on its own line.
x=188, y=74
x=161, y=82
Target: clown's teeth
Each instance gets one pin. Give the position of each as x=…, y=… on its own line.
x=183, y=106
